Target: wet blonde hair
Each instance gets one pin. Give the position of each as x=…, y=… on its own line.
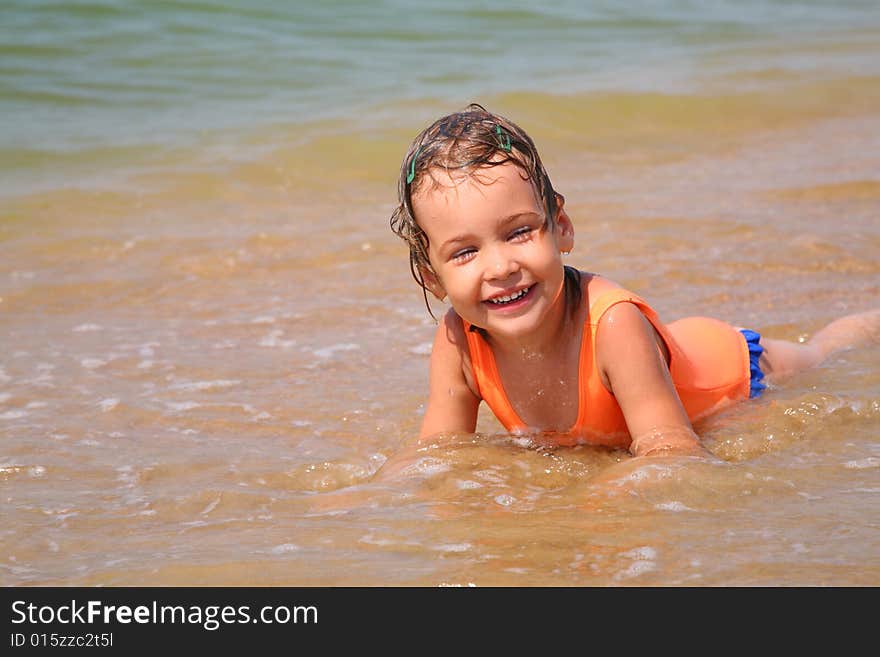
x=463, y=142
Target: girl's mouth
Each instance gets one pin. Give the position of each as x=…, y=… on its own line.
x=510, y=300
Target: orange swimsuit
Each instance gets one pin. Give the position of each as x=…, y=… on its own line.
x=708, y=360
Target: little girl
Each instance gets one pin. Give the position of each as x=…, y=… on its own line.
x=563, y=355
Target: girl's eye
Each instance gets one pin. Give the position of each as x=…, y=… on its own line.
x=521, y=233
x=463, y=255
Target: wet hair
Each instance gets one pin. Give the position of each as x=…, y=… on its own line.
x=463, y=143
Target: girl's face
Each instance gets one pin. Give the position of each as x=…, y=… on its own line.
x=492, y=250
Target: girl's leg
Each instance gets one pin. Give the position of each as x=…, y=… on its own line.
x=782, y=358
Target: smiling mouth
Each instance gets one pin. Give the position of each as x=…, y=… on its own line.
x=509, y=298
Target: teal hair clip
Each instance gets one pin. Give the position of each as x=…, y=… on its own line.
x=412, y=166
x=503, y=138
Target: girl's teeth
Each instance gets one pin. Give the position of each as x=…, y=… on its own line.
x=508, y=299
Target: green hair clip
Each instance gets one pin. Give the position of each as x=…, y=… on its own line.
x=503, y=138
x=412, y=166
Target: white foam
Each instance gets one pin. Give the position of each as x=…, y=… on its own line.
x=108, y=404
x=369, y=539
x=672, y=506
x=126, y=474
x=13, y=415
x=5, y=396
x=146, y=351
x=224, y=344
x=284, y=548
x=453, y=547
x=504, y=499
x=644, y=552
x=423, y=349
x=525, y=442
x=862, y=464
x=83, y=328
x=327, y=352
x=206, y=385
x=453, y=585
x=92, y=363
x=489, y=475
x=644, y=472
x=263, y=319
x=636, y=568
x=428, y=466
x=273, y=339
x=182, y=406
x=211, y=506
x=641, y=566
x=43, y=379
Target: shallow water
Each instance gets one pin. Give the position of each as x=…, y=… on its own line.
x=210, y=340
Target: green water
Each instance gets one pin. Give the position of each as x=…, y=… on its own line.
x=89, y=87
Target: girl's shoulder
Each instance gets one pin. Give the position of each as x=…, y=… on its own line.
x=451, y=345
x=594, y=286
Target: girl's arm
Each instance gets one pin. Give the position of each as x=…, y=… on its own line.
x=452, y=406
x=632, y=361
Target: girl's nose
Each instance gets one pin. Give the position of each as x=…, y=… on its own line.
x=501, y=264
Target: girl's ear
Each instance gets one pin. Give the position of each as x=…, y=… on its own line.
x=433, y=283
x=564, y=226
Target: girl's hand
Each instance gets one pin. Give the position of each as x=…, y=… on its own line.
x=674, y=440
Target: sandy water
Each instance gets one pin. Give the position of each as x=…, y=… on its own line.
x=209, y=350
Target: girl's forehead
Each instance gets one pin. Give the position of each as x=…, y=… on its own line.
x=439, y=182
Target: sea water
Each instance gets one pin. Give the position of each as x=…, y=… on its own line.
x=210, y=341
